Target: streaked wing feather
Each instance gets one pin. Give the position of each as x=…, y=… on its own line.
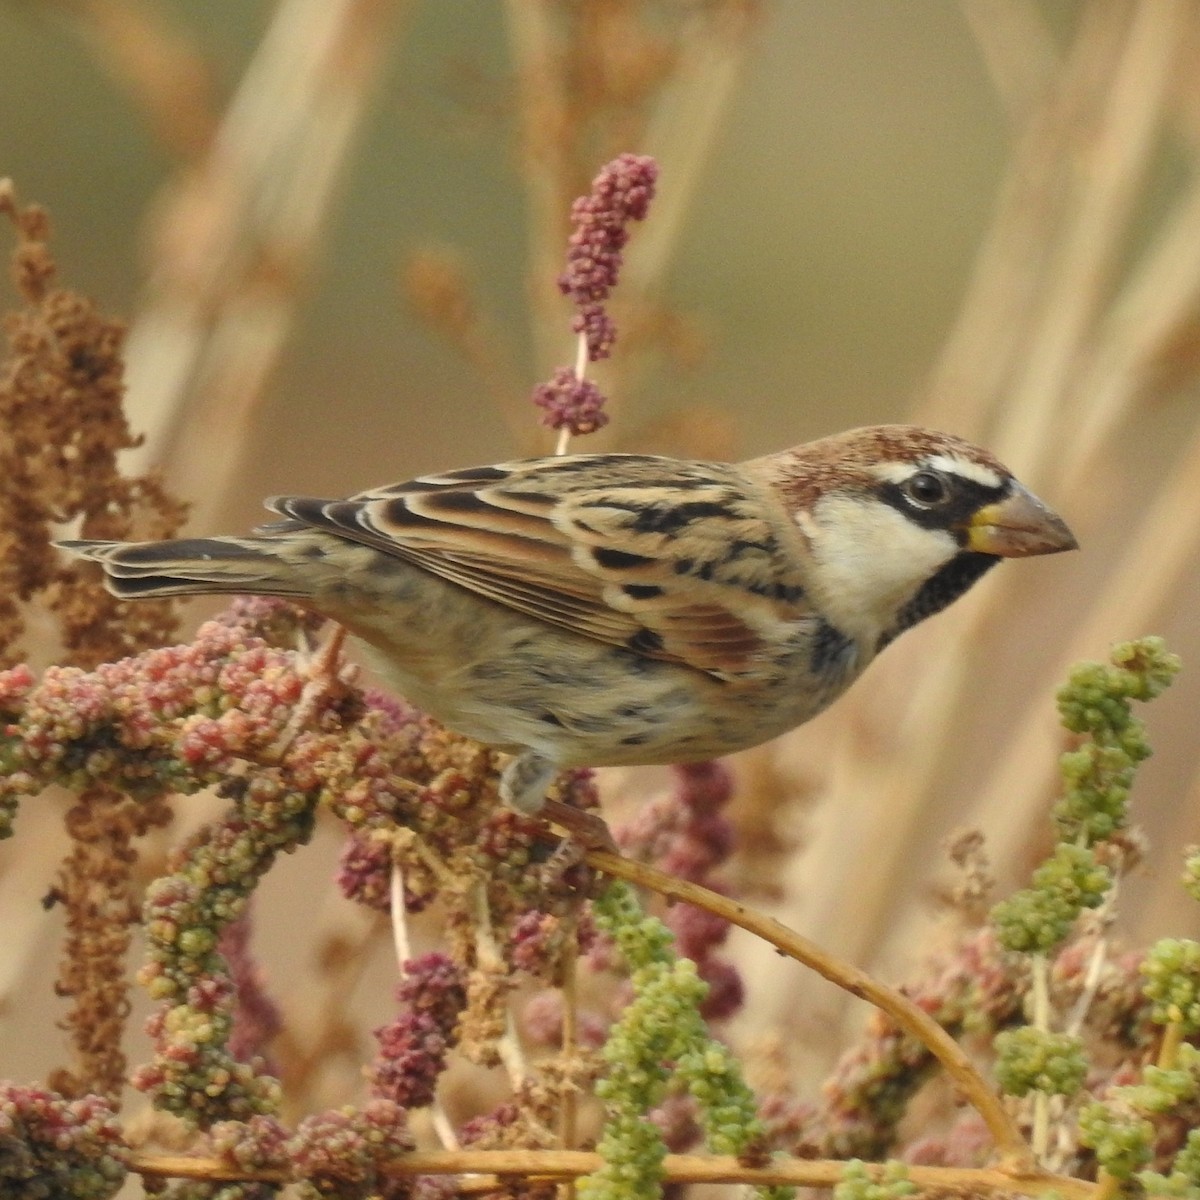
x=679, y=561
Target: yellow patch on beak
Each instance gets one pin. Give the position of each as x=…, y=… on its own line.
x=1018, y=526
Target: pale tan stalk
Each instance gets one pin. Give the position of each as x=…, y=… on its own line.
x=1086, y=255
x=155, y=65
x=996, y=319
x=501, y=1165
x=1154, y=308
x=238, y=236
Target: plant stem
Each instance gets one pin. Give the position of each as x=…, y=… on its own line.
x=1010, y=1144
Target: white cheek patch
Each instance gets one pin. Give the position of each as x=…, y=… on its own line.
x=871, y=559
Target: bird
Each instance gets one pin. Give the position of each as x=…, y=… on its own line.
x=593, y=610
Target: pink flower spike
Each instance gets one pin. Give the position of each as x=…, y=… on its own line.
x=570, y=403
x=620, y=193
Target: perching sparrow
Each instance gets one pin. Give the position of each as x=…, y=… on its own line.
x=601, y=609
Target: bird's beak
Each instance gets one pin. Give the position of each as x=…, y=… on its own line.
x=1018, y=526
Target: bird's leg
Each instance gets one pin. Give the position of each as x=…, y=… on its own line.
x=524, y=781
x=324, y=673
x=523, y=785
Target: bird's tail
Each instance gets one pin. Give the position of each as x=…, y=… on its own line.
x=192, y=567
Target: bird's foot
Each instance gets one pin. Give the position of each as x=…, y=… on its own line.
x=588, y=830
x=523, y=785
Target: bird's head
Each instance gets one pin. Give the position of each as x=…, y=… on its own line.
x=901, y=521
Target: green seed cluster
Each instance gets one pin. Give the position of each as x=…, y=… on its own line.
x=661, y=1042
x=1096, y=703
x=1172, y=973
x=1038, y=918
x=1035, y=1060
x=1123, y=1140
x=1122, y=1134
x=1191, y=872
x=1166, y=1090
x=858, y=1183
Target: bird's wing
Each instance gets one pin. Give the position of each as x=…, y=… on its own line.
x=680, y=561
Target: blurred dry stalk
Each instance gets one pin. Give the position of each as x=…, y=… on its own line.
x=239, y=228
x=163, y=74
x=1082, y=311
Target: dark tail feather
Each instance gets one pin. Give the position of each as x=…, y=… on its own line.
x=191, y=567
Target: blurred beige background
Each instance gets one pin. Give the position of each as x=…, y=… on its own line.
x=822, y=258
x=840, y=168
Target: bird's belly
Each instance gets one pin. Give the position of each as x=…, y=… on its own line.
x=517, y=684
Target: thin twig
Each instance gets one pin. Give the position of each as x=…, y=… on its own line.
x=487, y=953
x=569, y=1120
x=1092, y=976
x=677, y=1168
x=1040, y=972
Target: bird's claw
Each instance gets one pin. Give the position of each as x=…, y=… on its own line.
x=587, y=830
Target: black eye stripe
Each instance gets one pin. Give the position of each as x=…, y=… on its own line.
x=963, y=498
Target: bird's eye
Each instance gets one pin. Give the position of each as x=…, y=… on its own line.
x=926, y=488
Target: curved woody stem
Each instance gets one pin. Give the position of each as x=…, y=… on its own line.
x=1010, y=1144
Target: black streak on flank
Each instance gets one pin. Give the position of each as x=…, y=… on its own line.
x=645, y=641
x=829, y=646
x=642, y=591
x=618, y=560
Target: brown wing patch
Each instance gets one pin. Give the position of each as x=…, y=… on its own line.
x=686, y=562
